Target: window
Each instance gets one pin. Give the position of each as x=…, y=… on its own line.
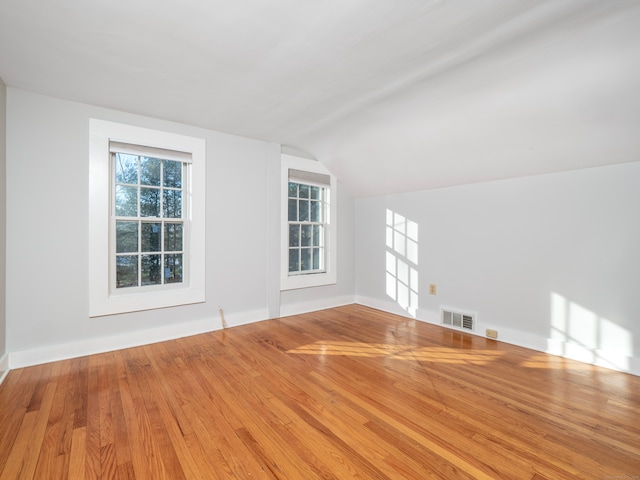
x=308, y=219
x=146, y=219
x=308, y=236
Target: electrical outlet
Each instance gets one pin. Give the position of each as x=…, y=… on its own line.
x=492, y=333
x=432, y=289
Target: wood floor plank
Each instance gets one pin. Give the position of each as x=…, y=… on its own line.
x=220, y=447
x=168, y=416
x=305, y=406
x=78, y=456
x=349, y=392
x=58, y=423
x=138, y=437
x=259, y=425
x=90, y=412
x=119, y=429
x=24, y=455
x=156, y=459
x=15, y=395
x=14, y=465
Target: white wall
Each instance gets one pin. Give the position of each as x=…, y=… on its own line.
x=47, y=195
x=47, y=224
x=3, y=229
x=550, y=261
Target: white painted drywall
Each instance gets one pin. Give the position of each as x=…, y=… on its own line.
x=3, y=226
x=47, y=225
x=550, y=261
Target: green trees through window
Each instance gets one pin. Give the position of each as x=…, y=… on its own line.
x=148, y=220
x=306, y=214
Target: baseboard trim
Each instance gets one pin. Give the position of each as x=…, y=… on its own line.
x=52, y=353
x=36, y=356
x=236, y=319
x=315, y=305
x=4, y=367
x=600, y=358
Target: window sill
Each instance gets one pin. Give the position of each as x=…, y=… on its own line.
x=307, y=281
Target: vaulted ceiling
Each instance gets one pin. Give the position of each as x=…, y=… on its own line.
x=391, y=96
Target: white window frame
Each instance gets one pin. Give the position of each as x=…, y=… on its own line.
x=305, y=280
x=102, y=299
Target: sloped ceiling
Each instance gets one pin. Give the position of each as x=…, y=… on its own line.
x=390, y=96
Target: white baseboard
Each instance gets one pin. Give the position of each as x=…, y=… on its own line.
x=235, y=319
x=384, y=305
x=54, y=353
x=315, y=305
x=4, y=367
x=601, y=358
x=25, y=358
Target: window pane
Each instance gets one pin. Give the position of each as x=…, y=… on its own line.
x=293, y=190
x=126, y=201
x=149, y=171
x=150, y=265
x=307, y=231
x=126, y=237
x=317, y=235
x=149, y=202
x=150, y=237
x=293, y=210
x=294, y=235
x=306, y=259
x=316, y=211
x=294, y=261
x=172, y=204
x=303, y=205
x=173, y=237
x=173, y=268
x=314, y=193
x=304, y=191
x=126, y=168
x=316, y=259
x=172, y=174
x=126, y=271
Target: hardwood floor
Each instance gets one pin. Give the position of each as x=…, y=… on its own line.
x=344, y=393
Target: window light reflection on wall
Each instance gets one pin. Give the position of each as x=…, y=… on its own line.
x=402, y=261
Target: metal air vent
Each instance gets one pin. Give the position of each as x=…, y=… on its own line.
x=452, y=318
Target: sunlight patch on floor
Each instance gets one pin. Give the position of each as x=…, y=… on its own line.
x=546, y=361
x=399, y=352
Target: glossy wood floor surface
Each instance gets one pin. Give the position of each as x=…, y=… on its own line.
x=339, y=394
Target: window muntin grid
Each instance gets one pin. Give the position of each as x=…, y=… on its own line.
x=307, y=228
x=148, y=221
